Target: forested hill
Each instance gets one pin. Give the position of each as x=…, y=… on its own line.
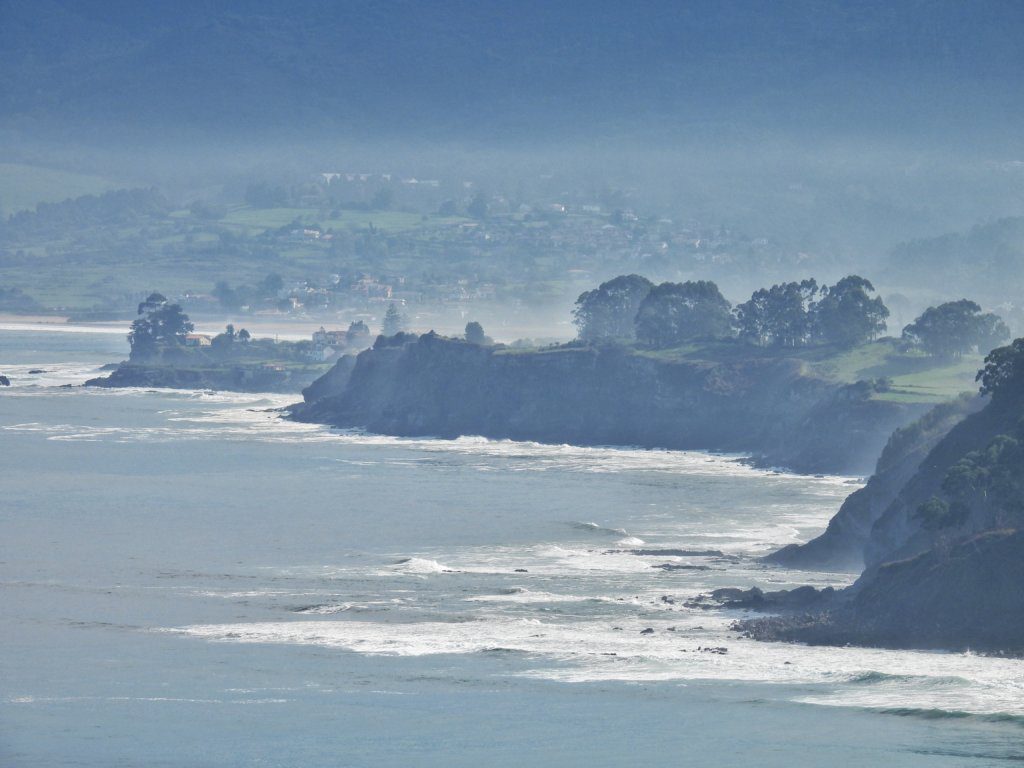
x=533, y=68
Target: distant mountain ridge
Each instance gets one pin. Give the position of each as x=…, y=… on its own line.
x=463, y=68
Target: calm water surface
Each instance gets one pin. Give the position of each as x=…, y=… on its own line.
x=188, y=580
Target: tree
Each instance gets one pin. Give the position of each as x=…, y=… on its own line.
x=358, y=334
x=225, y=294
x=223, y=342
x=382, y=199
x=989, y=481
x=394, y=321
x=244, y=336
x=990, y=332
x=847, y=315
x=475, y=334
x=271, y=285
x=153, y=301
x=1003, y=374
x=954, y=328
x=779, y=316
x=674, y=313
x=163, y=325
x=609, y=311
x=478, y=207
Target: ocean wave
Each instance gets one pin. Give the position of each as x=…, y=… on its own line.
x=873, y=677
x=47, y=376
x=595, y=528
x=526, y=596
x=326, y=609
x=421, y=565
x=951, y=714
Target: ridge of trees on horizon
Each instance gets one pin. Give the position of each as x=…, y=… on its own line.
x=631, y=308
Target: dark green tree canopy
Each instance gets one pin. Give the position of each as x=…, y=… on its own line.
x=609, y=311
x=153, y=301
x=1003, y=374
x=358, y=334
x=779, y=316
x=394, y=321
x=475, y=334
x=847, y=315
x=163, y=325
x=675, y=313
x=955, y=328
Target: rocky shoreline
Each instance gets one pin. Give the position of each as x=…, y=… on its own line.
x=967, y=598
x=764, y=407
x=939, y=530
x=232, y=378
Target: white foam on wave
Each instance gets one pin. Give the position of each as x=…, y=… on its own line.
x=681, y=646
x=527, y=597
x=48, y=376
x=630, y=541
x=599, y=529
x=327, y=609
x=421, y=565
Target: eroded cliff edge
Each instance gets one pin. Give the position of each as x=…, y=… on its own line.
x=942, y=543
x=766, y=406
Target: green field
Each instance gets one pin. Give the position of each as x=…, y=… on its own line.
x=915, y=377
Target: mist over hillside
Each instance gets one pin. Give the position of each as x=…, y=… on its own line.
x=789, y=138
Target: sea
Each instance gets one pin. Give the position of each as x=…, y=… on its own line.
x=189, y=579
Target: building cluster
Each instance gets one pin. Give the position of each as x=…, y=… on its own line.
x=328, y=345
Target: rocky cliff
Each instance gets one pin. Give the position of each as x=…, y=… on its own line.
x=765, y=406
x=966, y=595
x=944, y=551
x=842, y=545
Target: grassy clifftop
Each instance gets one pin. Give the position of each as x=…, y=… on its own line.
x=905, y=375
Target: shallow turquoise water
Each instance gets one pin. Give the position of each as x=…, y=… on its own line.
x=190, y=581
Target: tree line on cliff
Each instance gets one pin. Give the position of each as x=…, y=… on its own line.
x=796, y=314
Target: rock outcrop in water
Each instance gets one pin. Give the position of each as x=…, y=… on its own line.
x=758, y=404
x=945, y=556
x=233, y=378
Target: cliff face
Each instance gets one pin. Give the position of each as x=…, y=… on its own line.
x=842, y=545
x=899, y=532
x=610, y=396
x=945, y=555
x=335, y=380
x=963, y=596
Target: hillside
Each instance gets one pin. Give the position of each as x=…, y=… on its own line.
x=942, y=541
